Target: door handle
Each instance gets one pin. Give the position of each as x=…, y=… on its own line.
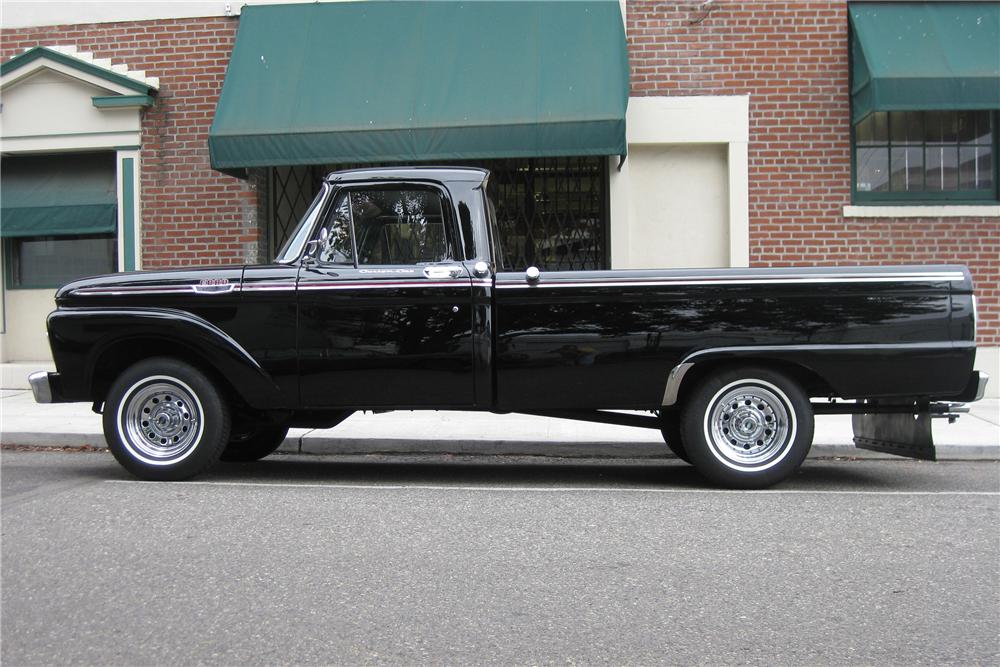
x=442, y=271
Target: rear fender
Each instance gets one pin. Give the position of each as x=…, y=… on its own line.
x=934, y=369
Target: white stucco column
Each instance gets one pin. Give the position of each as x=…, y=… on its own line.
x=683, y=196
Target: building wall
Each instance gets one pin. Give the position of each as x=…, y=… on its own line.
x=791, y=59
x=192, y=215
x=679, y=198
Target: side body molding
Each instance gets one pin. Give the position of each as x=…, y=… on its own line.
x=853, y=370
x=82, y=337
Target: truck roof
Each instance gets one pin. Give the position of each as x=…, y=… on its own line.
x=469, y=174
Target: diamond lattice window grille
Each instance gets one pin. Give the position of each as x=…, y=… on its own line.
x=292, y=190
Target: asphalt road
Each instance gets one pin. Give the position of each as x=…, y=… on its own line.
x=455, y=561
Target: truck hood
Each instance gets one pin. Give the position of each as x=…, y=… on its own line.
x=140, y=283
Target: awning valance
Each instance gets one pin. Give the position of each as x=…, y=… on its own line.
x=924, y=56
x=348, y=82
x=57, y=195
x=57, y=220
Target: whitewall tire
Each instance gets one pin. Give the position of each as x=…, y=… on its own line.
x=747, y=427
x=165, y=420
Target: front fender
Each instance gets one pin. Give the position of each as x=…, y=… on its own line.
x=84, y=341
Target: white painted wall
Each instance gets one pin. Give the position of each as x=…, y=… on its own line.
x=25, y=311
x=988, y=360
x=49, y=110
x=679, y=196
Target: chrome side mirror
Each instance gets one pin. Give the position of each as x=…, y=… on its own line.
x=481, y=269
x=316, y=248
x=532, y=274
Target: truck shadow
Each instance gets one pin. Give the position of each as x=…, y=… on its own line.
x=475, y=472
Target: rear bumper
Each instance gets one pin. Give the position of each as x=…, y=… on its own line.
x=46, y=387
x=975, y=389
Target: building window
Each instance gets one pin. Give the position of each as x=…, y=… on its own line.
x=551, y=212
x=926, y=157
x=53, y=261
x=58, y=217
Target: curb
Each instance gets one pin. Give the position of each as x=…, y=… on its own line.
x=560, y=449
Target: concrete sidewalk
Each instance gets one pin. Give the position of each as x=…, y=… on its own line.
x=24, y=422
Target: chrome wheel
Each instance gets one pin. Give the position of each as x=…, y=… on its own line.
x=750, y=425
x=160, y=420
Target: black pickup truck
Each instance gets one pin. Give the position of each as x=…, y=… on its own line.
x=392, y=294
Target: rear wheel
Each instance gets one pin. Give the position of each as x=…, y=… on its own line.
x=747, y=427
x=165, y=420
x=670, y=428
x=259, y=441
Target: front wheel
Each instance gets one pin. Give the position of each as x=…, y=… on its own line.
x=747, y=427
x=165, y=420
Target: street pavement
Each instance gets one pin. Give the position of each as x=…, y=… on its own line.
x=497, y=560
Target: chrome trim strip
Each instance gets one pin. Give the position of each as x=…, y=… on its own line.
x=214, y=289
x=270, y=287
x=674, y=382
x=386, y=284
x=40, y=387
x=739, y=280
x=132, y=290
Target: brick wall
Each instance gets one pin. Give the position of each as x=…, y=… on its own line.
x=791, y=58
x=191, y=215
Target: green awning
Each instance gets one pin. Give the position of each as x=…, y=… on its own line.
x=57, y=195
x=924, y=56
x=57, y=220
x=347, y=82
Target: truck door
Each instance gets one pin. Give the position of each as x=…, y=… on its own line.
x=385, y=305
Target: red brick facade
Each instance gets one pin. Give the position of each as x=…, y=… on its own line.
x=191, y=214
x=789, y=57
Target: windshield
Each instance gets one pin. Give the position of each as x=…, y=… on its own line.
x=293, y=246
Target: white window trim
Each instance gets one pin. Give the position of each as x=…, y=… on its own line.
x=931, y=211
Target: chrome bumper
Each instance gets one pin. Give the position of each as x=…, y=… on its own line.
x=40, y=387
x=981, y=388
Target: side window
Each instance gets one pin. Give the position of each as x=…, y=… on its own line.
x=337, y=248
x=400, y=226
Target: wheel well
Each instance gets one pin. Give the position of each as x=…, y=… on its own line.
x=812, y=384
x=113, y=361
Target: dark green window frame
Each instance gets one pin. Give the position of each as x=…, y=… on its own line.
x=896, y=148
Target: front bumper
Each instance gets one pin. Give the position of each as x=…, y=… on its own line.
x=45, y=387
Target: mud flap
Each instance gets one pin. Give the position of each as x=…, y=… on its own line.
x=906, y=435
